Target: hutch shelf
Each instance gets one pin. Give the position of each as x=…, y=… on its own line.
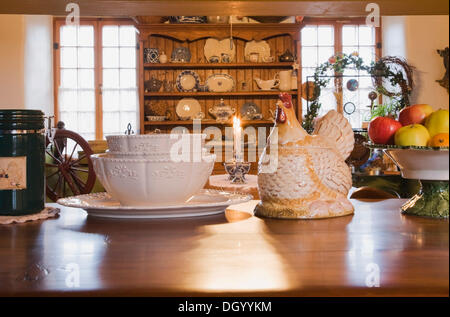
x=166, y=37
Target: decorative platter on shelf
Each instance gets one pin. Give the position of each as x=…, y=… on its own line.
x=262, y=48
x=188, y=108
x=206, y=202
x=430, y=165
x=220, y=83
x=187, y=81
x=217, y=49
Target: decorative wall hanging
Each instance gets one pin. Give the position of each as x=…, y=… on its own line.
x=349, y=108
x=444, y=82
x=309, y=91
x=394, y=72
x=352, y=85
x=388, y=70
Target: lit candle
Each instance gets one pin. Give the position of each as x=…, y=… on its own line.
x=237, y=139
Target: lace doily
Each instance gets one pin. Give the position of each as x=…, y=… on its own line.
x=48, y=212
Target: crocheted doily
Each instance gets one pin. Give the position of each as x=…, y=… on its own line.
x=48, y=212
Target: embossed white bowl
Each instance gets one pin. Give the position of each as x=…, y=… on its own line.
x=151, y=182
x=173, y=156
x=155, y=143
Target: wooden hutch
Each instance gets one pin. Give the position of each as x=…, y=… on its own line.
x=166, y=37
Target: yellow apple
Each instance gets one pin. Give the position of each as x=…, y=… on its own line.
x=412, y=135
x=437, y=122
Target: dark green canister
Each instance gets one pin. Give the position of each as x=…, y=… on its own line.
x=22, y=162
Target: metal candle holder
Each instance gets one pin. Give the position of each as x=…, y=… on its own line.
x=237, y=171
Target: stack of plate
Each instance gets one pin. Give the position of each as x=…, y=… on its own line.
x=154, y=176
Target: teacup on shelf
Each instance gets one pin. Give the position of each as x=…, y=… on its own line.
x=268, y=59
x=226, y=58
x=214, y=59
x=253, y=58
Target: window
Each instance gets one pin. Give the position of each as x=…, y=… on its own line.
x=320, y=39
x=96, y=77
x=318, y=45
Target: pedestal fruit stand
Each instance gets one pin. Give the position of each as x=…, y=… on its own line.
x=430, y=166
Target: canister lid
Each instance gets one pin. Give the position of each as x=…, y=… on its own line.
x=20, y=119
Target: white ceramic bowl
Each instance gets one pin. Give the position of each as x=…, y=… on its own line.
x=175, y=156
x=424, y=164
x=155, y=143
x=151, y=182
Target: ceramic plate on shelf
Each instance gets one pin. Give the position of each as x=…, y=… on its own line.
x=262, y=48
x=206, y=202
x=188, y=108
x=214, y=47
x=220, y=83
x=187, y=80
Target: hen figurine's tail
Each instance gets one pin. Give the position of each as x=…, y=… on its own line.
x=336, y=128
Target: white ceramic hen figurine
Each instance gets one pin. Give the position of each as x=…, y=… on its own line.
x=312, y=179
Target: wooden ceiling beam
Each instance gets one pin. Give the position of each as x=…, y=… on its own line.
x=330, y=8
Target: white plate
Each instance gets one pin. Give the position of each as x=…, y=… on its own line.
x=187, y=80
x=260, y=47
x=214, y=47
x=220, y=83
x=188, y=108
x=206, y=202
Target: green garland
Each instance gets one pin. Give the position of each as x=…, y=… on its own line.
x=338, y=63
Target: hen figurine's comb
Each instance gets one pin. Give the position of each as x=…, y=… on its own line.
x=286, y=99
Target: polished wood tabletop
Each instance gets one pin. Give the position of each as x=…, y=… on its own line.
x=375, y=252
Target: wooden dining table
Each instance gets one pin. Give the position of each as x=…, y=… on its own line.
x=375, y=252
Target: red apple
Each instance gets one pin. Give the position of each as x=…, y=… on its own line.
x=414, y=114
x=382, y=130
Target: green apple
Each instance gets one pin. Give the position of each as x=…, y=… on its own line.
x=437, y=122
x=412, y=135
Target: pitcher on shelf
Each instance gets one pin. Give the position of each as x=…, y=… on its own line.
x=285, y=78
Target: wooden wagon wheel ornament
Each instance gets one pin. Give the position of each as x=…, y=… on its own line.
x=68, y=177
